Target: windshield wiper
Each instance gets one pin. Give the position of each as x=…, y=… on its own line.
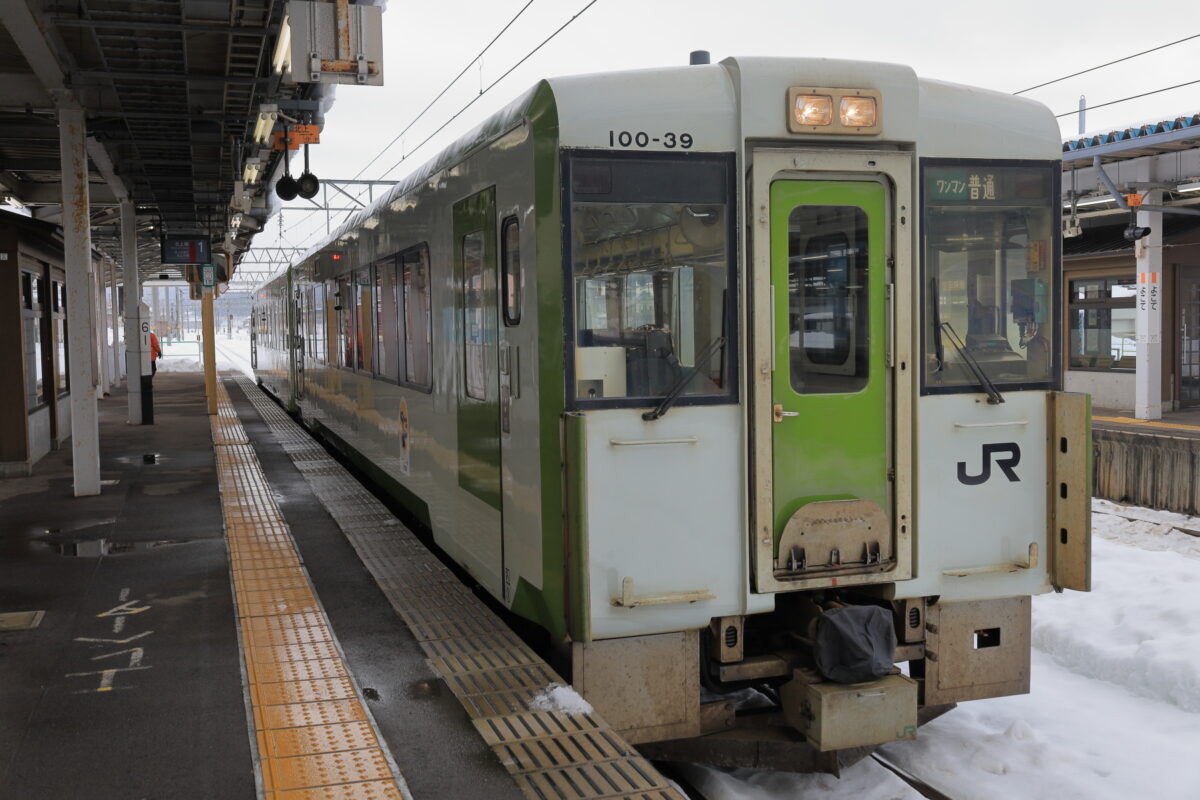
x=683, y=380
x=939, y=349
x=994, y=396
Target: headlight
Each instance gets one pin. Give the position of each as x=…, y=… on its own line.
x=812, y=109
x=857, y=112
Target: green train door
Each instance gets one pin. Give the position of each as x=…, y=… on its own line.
x=830, y=390
x=478, y=382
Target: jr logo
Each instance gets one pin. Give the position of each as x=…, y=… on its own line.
x=1007, y=465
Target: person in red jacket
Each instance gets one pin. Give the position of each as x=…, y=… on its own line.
x=155, y=353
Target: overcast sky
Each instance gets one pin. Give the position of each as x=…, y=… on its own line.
x=1005, y=46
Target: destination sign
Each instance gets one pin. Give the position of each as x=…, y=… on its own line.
x=986, y=184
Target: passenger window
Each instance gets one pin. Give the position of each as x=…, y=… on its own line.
x=363, y=348
x=387, y=321
x=418, y=319
x=827, y=299
x=510, y=239
x=474, y=335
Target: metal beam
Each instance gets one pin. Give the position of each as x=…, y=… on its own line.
x=64, y=21
x=50, y=194
x=190, y=77
x=30, y=39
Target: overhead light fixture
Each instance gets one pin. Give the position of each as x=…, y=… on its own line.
x=1097, y=200
x=267, y=114
x=1184, y=188
x=250, y=173
x=283, y=47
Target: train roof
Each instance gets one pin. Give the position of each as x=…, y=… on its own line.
x=740, y=99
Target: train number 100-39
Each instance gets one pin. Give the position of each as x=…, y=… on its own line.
x=669, y=140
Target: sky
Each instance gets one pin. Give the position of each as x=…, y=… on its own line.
x=1002, y=46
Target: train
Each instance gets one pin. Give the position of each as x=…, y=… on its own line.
x=722, y=376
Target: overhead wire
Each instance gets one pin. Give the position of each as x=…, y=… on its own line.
x=1110, y=63
x=1124, y=99
x=476, y=98
x=425, y=110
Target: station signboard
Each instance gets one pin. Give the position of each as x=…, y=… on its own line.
x=185, y=250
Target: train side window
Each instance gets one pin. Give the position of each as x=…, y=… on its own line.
x=510, y=254
x=387, y=321
x=418, y=317
x=474, y=344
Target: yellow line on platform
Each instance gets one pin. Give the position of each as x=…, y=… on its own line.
x=1149, y=423
x=314, y=736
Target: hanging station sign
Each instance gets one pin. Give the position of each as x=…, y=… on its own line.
x=185, y=250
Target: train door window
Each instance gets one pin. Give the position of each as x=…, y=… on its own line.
x=510, y=254
x=651, y=273
x=418, y=318
x=345, y=322
x=827, y=299
x=474, y=333
x=364, y=350
x=387, y=321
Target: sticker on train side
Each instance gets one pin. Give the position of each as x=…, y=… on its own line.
x=670, y=140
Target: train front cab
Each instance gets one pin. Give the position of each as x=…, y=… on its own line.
x=906, y=445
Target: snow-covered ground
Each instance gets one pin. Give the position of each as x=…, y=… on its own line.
x=1114, y=711
x=233, y=355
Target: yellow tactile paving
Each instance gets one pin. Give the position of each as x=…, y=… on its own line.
x=372, y=790
x=315, y=738
x=1149, y=423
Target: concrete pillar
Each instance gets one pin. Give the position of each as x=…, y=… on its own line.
x=133, y=295
x=114, y=352
x=77, y=255
x=1148, y=250
x=210, y=348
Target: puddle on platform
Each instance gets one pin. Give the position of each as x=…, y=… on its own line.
x=94, y=548
x=145, y=459
x=168, y=487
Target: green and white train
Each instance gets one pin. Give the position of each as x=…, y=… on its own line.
x=707, y=371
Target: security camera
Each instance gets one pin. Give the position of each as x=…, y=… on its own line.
x=1133, y=233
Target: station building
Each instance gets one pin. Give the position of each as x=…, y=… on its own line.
x=1132, y=305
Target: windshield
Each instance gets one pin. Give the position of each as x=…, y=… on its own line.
x=651, y=266
x=990, y=275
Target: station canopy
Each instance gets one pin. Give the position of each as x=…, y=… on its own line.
x=172, y=92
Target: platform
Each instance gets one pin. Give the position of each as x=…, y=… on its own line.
x=164, y=667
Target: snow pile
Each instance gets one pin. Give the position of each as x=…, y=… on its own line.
x=1130, y=631
x=557, y=697
x=1114, y=707
x=180, y=364
x=866, y=780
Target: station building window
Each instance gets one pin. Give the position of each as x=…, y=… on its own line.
x=1102, y=324
x=33, y=297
